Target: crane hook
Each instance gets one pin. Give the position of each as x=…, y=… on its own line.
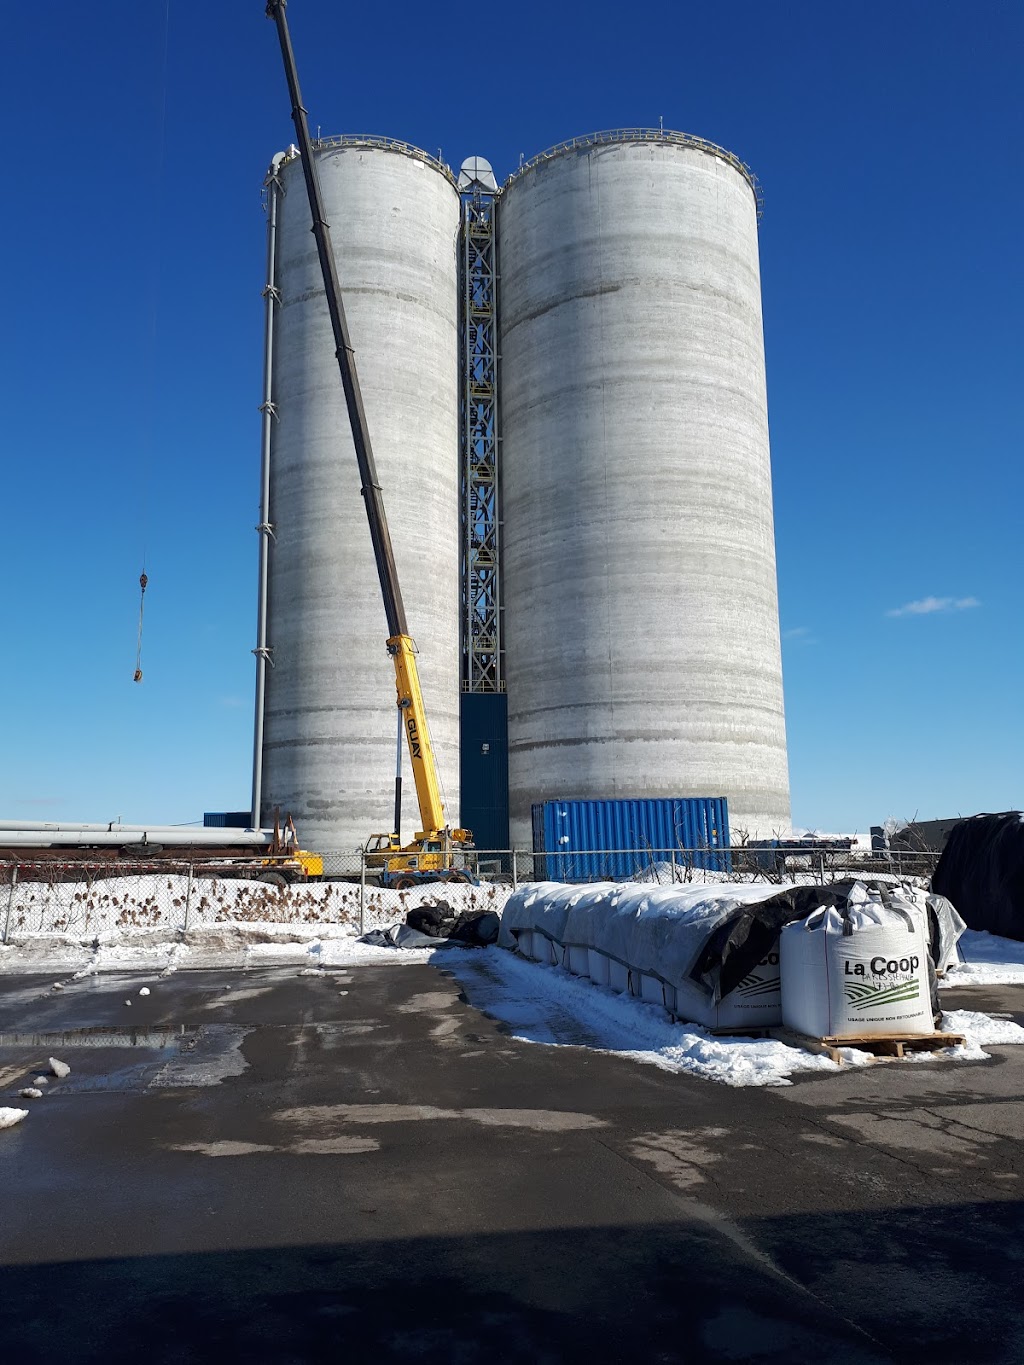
x=143, y=581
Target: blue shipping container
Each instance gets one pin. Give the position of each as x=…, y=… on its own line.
x=615, y=840
x=227, y=819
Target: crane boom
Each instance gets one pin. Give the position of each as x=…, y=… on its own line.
x=369, y=487
x=399, y=644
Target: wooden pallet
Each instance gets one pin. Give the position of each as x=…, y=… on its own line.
x=891, y=1045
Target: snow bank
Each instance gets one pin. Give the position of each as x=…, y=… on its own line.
x=988, y=961
x=226, y=945
x=548, y=1005
x=980, y=1031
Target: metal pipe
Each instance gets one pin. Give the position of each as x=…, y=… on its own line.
x=262, y=652
x=10, y=902
x=362, y=890
x=121, y=838
x=118, y=826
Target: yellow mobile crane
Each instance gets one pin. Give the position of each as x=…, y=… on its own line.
x=431, y=855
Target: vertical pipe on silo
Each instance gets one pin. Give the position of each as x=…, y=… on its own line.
x=264, y=529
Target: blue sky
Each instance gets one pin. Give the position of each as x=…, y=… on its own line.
x=887, y=136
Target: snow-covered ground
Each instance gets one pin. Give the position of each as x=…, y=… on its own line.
x=543, y=1004
x=988, y=961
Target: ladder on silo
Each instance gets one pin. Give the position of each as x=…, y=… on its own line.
x=482, y=659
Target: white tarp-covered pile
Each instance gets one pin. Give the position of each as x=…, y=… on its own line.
x=708, y=954
x=644, y=940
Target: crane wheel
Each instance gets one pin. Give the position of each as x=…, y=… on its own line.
x=405, y=883
x=277, y=879
x=457, y=877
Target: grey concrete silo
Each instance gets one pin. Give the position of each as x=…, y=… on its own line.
x=642, y=651
x=329, y=721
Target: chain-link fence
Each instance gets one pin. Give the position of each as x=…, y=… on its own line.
x=88, y=899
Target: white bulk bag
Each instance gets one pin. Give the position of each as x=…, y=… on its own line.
x=864, y=973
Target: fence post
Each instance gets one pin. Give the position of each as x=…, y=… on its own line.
x=821, y=869
x=672, y=858
x=10, y=901
x=362, y=890
x=515, y=872
x=188, y=898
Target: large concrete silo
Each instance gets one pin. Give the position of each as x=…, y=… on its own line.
x=329, y=722
x=642, y=651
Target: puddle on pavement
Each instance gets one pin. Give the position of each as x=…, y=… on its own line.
x=188, y=1056
x=157, y=1035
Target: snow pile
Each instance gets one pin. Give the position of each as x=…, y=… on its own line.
x=9, y=1117
x=548, y=1005
x=208, y=946
x=980, y=1031
x=988, y=961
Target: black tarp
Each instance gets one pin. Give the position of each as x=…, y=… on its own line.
x=982, y=872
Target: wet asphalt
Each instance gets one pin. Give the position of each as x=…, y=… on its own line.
x=358, y=1165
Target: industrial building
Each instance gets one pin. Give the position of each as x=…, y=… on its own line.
x=565, y=382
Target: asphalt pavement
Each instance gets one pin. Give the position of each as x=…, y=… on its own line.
x=358, y=1165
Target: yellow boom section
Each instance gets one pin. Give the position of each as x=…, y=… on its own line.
x=421, y=754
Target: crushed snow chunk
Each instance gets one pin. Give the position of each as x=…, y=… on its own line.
x=144, y=991
x=60, y=1069
x=40, y=1080
x=9, y=1117
x=31, y=1092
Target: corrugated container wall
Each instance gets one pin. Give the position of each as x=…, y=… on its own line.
x=614, y=840
x=641, y=639
x=329, y=741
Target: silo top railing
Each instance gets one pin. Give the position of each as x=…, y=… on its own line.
x=387, y=144
x=663, y=135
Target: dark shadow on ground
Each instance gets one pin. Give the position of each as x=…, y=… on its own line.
x=936, y=1285
x=671, y=1294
